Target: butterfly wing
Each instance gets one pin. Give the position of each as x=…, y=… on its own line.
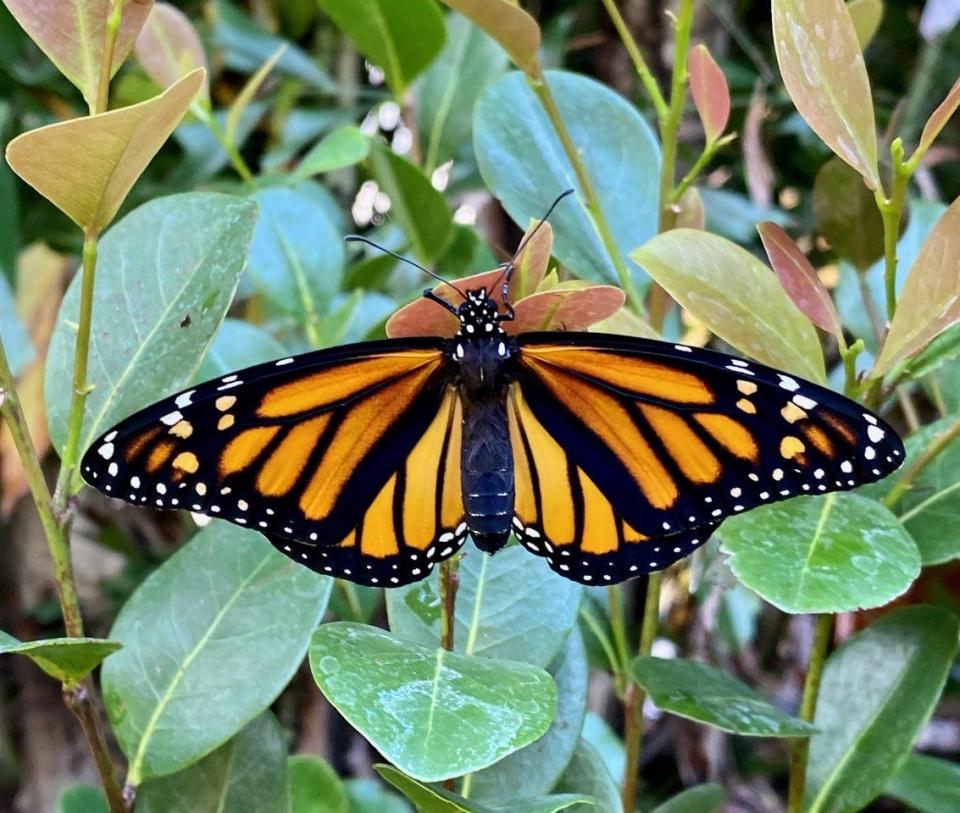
x=677, y=437
x=415, y=521
x=562, y=515
x=302, y=449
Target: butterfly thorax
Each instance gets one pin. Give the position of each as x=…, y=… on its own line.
x=482, y=350
x=481, y=347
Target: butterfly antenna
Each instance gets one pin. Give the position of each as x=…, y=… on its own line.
x=508, y=266
x=543, y=220
x=356, y=238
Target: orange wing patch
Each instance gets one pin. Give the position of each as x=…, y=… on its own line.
x=562, y=515
x=414, y=522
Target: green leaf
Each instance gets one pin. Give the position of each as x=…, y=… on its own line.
x=369, y=796
x=706, y=694
x=605, y=741
x=210, y=639
x=341, y=148
x=929, y=509
x=420, y=209
x=877, y=693
x=245, y=47
x=247, y=774
x=928, y=784
x=82, y=799
x=829, y=554
x=587, y=774
x=439, y=800
x=930, y=301
x=524, y=165
x=71, y=33
x=736, y=296
x=86, y=166
x=204, y=156
x=866, y=16
x=174, y=257
x=510, y=606
x=434, y=714
x=823, y=70
x=847, y=214
x=315, y=786
x=944, y=348
x=285, y=263
x=238, y=344
x=504, y=20
x=537, y=767
x=69, y=660
x=247, y=93
x=401, y=36
x=705, y=798
x=169, y=47
x=447, y=92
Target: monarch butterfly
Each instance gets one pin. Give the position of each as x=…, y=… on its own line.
x=607, y=455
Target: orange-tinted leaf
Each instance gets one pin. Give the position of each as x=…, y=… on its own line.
x=425, y=318
x=939, y=117
x=515, y=30
x=40, y=277
x=169, y=47
x=736, y=296
x=708, y=86
x=930, y=301
x=71, y=34
x=798, y=278
x=532, y=261
x=86, y=166
x=823, y=70
x=866, y=16
x=566, y=307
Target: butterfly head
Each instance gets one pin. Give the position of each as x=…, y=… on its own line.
x=479, y=316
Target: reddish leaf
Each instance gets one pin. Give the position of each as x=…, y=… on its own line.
x=566, y=307
x=823, y=70
x=798, y=278
x=71, y=34
x=169, y=47
x=930, y=301
x=425, y=318
x=711, y=95
x=939, y=118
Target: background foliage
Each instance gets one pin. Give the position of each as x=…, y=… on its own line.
x=777, y=180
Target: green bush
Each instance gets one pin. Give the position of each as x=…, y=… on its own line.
x=204, y=163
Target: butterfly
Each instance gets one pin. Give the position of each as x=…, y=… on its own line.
x=609, y=456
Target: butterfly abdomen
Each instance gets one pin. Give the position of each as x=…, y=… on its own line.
x=487, y=470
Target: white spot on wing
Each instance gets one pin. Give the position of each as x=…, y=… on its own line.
x=184, y=398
